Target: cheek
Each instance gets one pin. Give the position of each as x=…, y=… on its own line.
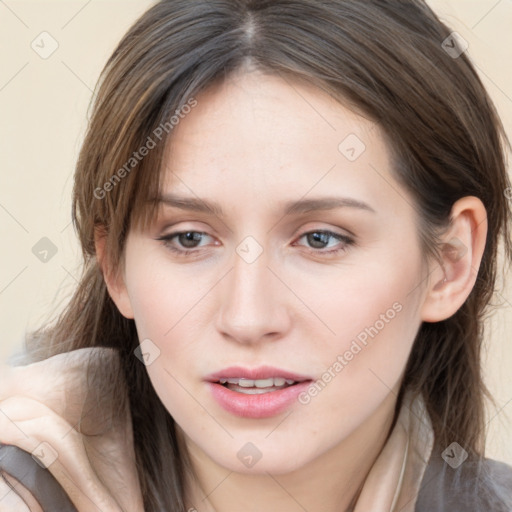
x=160, y=316
x=375, y=315
x=375, y=302
x=358, y=378
x=165, y=310
x=374, y=356
x=383, y=317
x=158, y=297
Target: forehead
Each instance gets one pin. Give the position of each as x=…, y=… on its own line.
x=266, y=136
x=267, y=114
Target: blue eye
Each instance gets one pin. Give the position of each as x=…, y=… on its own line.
x=319, y=239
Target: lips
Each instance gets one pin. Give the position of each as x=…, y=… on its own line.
x=256, y=393
x=260, y=373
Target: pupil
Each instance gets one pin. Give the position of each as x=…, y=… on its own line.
x=189, y=236
x=321, y=238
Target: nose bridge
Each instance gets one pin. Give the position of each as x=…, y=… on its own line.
x=251, y=305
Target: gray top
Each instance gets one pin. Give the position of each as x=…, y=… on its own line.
x=38, y=480
x=474, y=486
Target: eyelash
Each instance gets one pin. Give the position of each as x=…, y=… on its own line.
x=347, y=242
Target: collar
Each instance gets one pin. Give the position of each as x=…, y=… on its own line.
x=394, y=480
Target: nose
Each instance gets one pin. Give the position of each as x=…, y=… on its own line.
x=253, y=303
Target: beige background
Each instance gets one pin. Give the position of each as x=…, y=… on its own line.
x=43, y=105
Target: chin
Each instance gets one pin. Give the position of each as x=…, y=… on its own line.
x=260, y=458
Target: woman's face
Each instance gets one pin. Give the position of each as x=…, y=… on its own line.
x=327, y=297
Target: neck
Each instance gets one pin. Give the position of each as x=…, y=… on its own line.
x=331, y=482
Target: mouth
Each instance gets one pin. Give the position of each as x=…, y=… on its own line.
x=256, y=387
x=256, y=393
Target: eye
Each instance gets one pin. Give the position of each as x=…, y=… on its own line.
x=187, y=239
x=320, y=240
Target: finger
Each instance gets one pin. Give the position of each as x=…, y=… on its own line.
x=35, y=428
x=66, y=383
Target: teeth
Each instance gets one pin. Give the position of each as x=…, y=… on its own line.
x=259, y=383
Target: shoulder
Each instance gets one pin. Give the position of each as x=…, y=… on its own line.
x=478, y=485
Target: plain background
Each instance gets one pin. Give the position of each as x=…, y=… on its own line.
x=43, y=106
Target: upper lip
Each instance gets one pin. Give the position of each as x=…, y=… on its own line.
x=262, y=372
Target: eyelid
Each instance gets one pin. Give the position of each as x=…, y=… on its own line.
x=175, y=234
x=329, y=228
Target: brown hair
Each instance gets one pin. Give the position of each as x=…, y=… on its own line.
x=384, y=59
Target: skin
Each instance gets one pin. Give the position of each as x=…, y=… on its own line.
x=251, y=144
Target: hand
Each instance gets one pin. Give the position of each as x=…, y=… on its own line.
x=50, y=409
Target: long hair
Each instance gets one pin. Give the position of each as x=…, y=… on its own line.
x=395, y=63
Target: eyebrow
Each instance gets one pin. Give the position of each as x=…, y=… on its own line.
x=289, y=208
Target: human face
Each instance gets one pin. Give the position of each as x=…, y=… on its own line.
x=256, y=291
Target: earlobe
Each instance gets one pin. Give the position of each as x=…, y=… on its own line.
x=114, y=279
x=461, y=252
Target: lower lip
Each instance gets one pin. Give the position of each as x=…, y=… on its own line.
x=264, y=405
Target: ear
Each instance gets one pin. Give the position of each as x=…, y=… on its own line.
x=461, y=254
x=114, y=278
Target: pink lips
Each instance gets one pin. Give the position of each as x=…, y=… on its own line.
x=263, y=405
